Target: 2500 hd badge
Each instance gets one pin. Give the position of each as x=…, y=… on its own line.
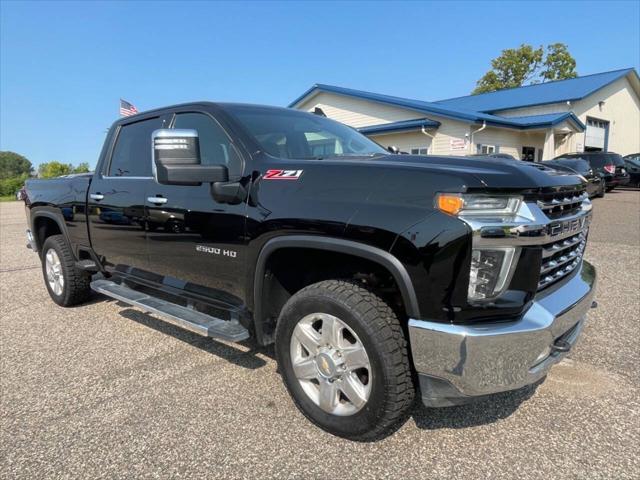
x=216, y=251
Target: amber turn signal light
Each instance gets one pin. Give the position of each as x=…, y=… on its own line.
x=450, y=204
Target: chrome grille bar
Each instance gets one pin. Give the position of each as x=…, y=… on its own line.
x=564, y=258
x=550, y=250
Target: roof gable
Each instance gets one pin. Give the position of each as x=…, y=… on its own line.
x=541, y=94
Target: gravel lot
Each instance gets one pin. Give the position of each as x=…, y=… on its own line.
x=104, y=391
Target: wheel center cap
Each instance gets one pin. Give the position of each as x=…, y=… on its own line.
x=325, y=365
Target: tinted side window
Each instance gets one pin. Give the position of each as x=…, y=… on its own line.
x=132, y=152
x=215, y=146
x=598, y=161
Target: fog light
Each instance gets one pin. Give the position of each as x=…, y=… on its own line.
x=491, y=268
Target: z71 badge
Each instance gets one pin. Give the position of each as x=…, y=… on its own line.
x=282, y=174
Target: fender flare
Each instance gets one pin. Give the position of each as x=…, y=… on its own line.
x=368, y=252
x=56, y=217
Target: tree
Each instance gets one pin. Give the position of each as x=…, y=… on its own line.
x=559, y=63
x=82, y=168
x=14, y=165
x=54, y=169
x=527, y=65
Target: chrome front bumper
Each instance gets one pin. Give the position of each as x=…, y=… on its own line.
x=456, y=363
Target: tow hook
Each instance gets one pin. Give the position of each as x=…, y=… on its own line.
x=561, y=346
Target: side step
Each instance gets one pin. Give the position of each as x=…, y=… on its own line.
x=184, y=317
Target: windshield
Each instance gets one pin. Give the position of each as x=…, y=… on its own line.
x=299, y=135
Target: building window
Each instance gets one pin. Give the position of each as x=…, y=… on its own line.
x=487, y=149
x=419, y=150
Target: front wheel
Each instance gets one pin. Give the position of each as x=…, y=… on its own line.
x=344, y=359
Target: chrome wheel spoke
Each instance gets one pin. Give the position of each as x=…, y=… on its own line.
x=308, y=337
x=305, y=368
x=328, y=396
x=355, y=357
x=353, y=389
x=331, y=331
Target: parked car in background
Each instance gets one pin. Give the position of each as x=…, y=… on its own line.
x=596, y=184
x=632, y=163
x=610, y=164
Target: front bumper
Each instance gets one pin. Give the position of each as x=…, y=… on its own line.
x=457, y=363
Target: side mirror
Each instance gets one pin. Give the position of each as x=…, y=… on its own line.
x=393, y=149
x=176, y=159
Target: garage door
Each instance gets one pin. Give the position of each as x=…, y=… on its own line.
x=595, y=137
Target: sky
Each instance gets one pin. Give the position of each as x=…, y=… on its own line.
x=65, y=65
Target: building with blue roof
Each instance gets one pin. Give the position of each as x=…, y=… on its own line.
x=536, y=122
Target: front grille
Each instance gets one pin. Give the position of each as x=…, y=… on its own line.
x=561, y=258
x=561, y=204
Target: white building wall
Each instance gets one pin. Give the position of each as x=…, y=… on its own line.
x=448, y=139
x=509, y=141
x=356, y=112
x=536, y=110
x=621, y=109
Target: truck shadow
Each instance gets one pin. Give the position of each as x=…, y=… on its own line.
x=242, y=357
x=488, y=410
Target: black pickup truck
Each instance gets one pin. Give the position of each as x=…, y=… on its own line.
x=376, y=275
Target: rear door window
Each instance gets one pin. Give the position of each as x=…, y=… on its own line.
x=132, y=152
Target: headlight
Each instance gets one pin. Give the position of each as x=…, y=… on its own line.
x=491, y=268
x=470, y=204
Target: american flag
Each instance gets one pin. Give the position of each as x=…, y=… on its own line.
x=127, y=109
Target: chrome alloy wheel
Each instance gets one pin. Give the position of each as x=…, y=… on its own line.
x=331, y=364
x=53, y=267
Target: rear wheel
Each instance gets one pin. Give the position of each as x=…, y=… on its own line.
x=67, y=285
x=344, y=359
x=601, y=191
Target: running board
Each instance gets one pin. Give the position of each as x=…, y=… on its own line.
x=183, y=317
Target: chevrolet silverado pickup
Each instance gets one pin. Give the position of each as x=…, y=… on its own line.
x=378, y=277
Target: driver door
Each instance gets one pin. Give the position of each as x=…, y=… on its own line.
x=190, y=236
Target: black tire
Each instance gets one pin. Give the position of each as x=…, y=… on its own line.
x=76, y=288
x=608, y=189
x=601, y=192
x=378, y=328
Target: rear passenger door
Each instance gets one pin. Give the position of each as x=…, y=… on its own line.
x=117, y=196
x=192, y=237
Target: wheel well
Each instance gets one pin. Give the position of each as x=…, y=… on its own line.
x=290, y=269
x=44, y=227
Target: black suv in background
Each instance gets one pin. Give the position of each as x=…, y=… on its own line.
x=610, y=164
x=632, y=163
x=595, y=186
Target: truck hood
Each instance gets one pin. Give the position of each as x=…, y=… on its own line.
x=492, y=172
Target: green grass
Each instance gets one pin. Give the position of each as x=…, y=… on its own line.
x=8, y=198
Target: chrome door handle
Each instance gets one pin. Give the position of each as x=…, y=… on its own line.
x=96, y=196
x=157, y=200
